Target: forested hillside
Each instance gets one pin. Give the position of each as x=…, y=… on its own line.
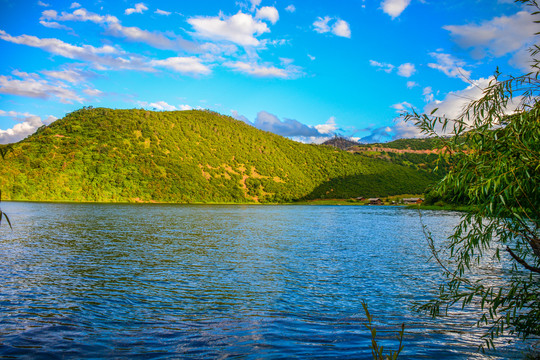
x=187, y=156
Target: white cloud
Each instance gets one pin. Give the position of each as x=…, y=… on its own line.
x=455, y=102
x=36, y=88
x=341, y=28
x=402, y=106
x=329, y=127
x=239, y=117
x=93, y=92
x=291, y=8
x=251, y=68
x=58, y=47
x=523, y=60
x=450, y=65
x=78, y=15
x=405, y=130
x=311, y=57
x=72, y=76
x=162, y=12
x=382, y=66
x=55, y=25
x=29, y=124
x=114, y=27
x=321, y=24
x=498, y=36
x=240, y=29
x=15, y=115
x=102, y=58
x=289, y=127
x=75, y=5
x=394, y=8
x=41, y=3
x=406, y=70
x=164, y=106
x=286, y=127
x=254, y=4
x=183, y=65
x=154, y=39
x=269, y=13
x=139, y=9
x=411, y=84
x=428, y=94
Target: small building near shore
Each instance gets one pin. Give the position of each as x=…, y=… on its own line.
x=375, y=201
x=412, y=201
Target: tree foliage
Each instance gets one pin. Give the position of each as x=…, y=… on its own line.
x=496, y=169
x=99, y=154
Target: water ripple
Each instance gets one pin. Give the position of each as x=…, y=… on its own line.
x=253, y=282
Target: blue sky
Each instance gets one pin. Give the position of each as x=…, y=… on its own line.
x=302, y=69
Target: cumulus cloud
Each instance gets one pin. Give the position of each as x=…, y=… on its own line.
x=321, y=24
x=382, y=66
x=109, y=57
x=523, y=60
x=339, y=27
x=37, y=88
x=289, y=71
x=406, y=70
x=75, y=5
x=291, y=8
x=69, y=75
x=394, y=8
x=411, y=84
x=114, y=27
x=27, y=126
x=288, y=127
x=93, y=92
x=328, y=128
x=428, y=94
x=398, y=130
x=164, y=106
x=162, y=12
x=402, y=106
x=183, y=65
x=139, y=9
x=54, y=25
x=237, y=116
x=240, y=29
x=380, y=134
x=269, y=13
x=455, y=102
x=41, y=3
x=58, y=47
x=101, y=57
x=450, y=65
x=154, y=39
x=498, y=36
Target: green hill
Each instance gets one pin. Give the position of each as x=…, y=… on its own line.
x=187, y=156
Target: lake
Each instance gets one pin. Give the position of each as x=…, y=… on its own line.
x=198, y=281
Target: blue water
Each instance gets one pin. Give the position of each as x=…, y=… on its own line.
x=253, y=282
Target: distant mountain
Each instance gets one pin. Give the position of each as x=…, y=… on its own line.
x=340, y=143
x=408, y=144
x=187, y=157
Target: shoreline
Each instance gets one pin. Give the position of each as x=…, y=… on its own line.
x=316, y=202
